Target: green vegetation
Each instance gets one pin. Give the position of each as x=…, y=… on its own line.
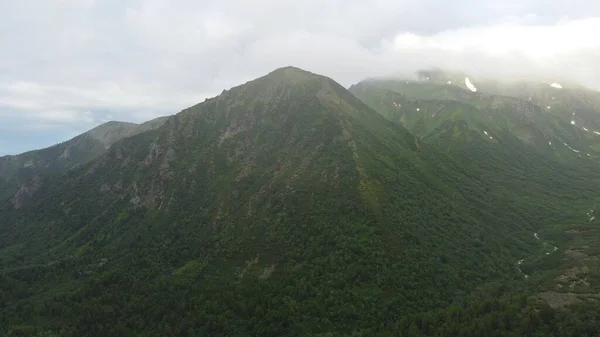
x=515, y=150
x=288, y=207
x=561, y=298
x=23, y=171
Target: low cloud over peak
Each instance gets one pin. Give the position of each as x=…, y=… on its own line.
x=67, y=65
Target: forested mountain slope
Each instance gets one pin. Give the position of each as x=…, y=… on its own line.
x=23, y=171
x=282, y=207
x=548, y=118
x=510, y=143
x=535, y=112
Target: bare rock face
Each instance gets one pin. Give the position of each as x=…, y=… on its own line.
x=25, y=192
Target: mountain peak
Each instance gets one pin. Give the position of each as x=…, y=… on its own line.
x=292, y=75
x=112, y=131
x=285, y=77
x=289, y=84
x=291, y=70
x=20, y=170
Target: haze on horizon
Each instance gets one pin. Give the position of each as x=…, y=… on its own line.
x=69, y=65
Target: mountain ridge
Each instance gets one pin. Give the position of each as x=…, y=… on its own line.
x=558, y=121
x=284, y=207
x=17, y=171
x=487, y=132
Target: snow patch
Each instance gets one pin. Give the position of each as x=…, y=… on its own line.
x=596, y=132
x=556, y=85
x=519, y=268
x=548, y=107
x=418, y=109
x=572, y=122
x=572, y=149
x=585, y=129
x=550, y=143
x=470, y=85
x=449, y=82
x=536, y=236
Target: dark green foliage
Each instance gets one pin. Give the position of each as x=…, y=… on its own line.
x=523, y=153
x=24, y=170
x=283, y=207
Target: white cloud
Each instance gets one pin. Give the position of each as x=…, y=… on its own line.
x=68, y=105
x=565, y=49
x=77, y=61
x=541, y=43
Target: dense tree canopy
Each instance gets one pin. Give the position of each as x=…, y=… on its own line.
x=287, y=207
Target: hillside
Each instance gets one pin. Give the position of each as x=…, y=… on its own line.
x=510, y=143
x=424, y=107
x=560, y=298
x=532, y=140
x=282, y=207
x=20, y=174
x=538, y=113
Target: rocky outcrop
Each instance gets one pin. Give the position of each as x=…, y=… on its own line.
x=25, y=192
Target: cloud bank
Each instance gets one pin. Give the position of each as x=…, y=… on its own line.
x=68, y=65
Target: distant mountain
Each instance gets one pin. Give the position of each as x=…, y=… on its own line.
x=286, y=207
x=505, y=138
x=563, y=120
x=567, y=101
x=23, y=171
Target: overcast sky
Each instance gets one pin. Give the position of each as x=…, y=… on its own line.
x=69, y=65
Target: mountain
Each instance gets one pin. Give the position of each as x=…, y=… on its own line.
x=503, y=138
x=283, y=207
x=537, y=140
x=424, y=107
x=20, y=174
x=534, y=112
